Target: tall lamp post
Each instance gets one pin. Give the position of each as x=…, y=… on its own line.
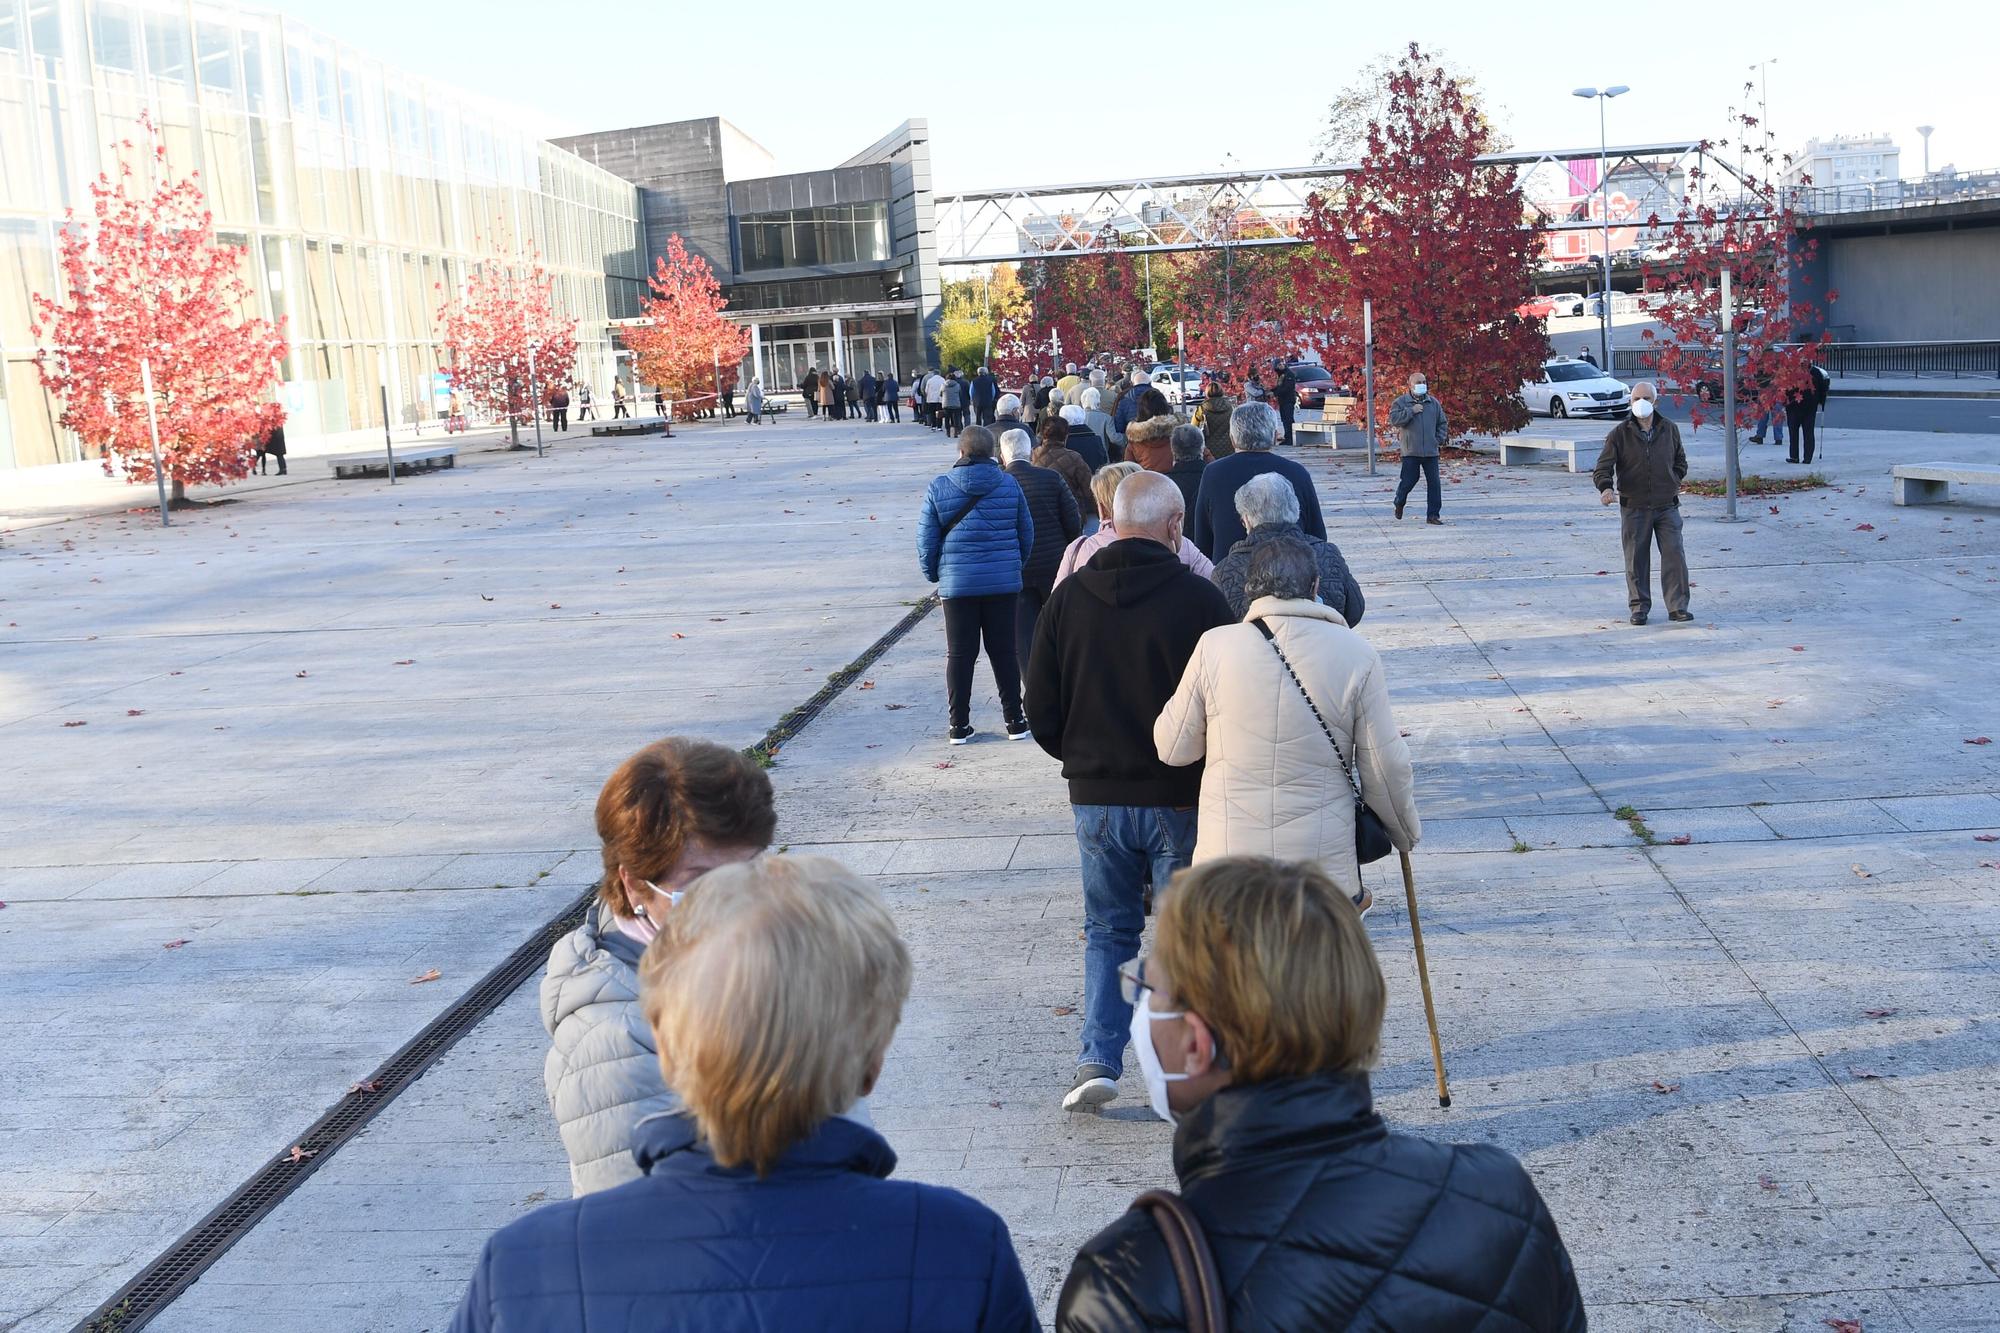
x=1601, y=96
x=1926, y=131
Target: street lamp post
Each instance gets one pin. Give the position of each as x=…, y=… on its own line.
x=535, y=396
x=1604, y=191
x=1926, y=130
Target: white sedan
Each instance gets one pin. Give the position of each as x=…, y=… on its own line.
x=1571, y=388
x=1181, y=386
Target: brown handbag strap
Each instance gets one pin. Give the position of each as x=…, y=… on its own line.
x=1194, y=1263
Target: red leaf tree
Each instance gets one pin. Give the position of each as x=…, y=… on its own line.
x=1439, y=243
x=1081, y=308
x=688, y=338
x=144, y=280
x=507, y=308
x=1750, y=227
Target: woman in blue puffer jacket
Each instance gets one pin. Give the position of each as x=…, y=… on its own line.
x=972, y=540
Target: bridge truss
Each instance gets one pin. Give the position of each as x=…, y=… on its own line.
x=1164, y=214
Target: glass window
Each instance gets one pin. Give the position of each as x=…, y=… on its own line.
x=323, y=87
x=18, y=156
x=806, y=237
x=10, y=26
x=254, y=48
x=45, y=28
x=27, y=266
x=167, y=51
x=215, y=56
x=114, y=36
x=297, y=72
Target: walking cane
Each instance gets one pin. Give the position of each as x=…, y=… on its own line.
x=1424, y=980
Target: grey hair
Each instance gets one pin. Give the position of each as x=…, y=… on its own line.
x=1072, y=413
x=1652, y=389
x=1016, y=444
x=1253, y=427
x=1056, y=398
x=1282, y=568
x=1092, y=399
x=1009, y=405
x=1268, y=498
x=1187, y=443
x=1146, y=502
x=1097, y=376
x=975, y=442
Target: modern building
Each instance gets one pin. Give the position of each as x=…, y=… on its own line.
x=835, y=268
x=360, y=193
x=1858, y=164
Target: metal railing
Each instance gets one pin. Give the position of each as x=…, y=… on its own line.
x=1845, y=360
x=1916, y=192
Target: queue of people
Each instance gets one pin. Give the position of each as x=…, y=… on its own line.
x=722, y=1016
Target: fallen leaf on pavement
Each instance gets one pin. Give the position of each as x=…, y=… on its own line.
x=1665, y=1087
x=298, y=1154
x=1681, y=839
x=1986, y=837
x=1064, y=1009
x=867, y=684
x=1856, y=868
x=1852, y=1072
x=1765, y=1182
x=300, y=674
x=484, y=598
x=894, y=708
x=76, y=724
x=555, y=606
x=372, y=1085
x=1798, y=647
x=1864, y=527
x=1979, y=740
x=431, y=975
x=135, y=712
x=680, y=636
x=1842, y=1325
x=943, y=763
x=173, y=944
x=408, y=661
x=1877, y=1013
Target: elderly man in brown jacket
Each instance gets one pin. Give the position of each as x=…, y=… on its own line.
x=1643, y=457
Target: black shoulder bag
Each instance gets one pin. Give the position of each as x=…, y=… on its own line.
x=1371, y=836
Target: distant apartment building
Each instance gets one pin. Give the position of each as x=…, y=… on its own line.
x=1845, y=161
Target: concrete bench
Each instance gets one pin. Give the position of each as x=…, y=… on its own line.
x=375, y=462
x=1930, y=483
x=1338, y=434
x=632, y=426
x=1545, y=449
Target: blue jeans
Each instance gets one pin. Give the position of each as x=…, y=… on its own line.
x=1123, y=847
x=1434, y=491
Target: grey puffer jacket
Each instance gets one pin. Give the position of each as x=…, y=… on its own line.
x=1422, y=423
x=603, y=1072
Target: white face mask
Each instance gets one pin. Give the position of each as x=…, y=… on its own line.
x=1420, y=389
x=1642, y=408
x=642, y=924
x=1150, y=1069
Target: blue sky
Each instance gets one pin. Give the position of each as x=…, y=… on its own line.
x=1095, y=92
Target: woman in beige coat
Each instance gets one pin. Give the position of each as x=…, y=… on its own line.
x=1273, y=785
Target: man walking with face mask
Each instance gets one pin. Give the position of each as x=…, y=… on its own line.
x=1420, y=417
x=1643, y=456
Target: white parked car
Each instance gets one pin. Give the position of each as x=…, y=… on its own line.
x=1181, y=386
x=1571, y=388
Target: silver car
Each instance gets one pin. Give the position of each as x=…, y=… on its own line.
x=1572, y=388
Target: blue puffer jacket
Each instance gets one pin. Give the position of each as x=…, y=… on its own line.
x=983, y=553
x=825, y=1242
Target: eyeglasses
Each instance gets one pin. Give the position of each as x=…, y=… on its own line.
x=1132, y=980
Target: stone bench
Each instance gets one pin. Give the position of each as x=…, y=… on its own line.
x=632, y=426
x=1930, y=483
x=375, y=462
x=1546, y=449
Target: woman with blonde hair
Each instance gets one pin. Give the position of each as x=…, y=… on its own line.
x=1255, y=1022
x=773, y=991
x=675, y=809
x=1103, y=490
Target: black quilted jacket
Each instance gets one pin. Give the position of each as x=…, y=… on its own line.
x=1322, y=1219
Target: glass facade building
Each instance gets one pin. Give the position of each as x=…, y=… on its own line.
x=356, y=191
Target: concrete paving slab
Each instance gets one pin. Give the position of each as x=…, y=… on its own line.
x=1827, y=819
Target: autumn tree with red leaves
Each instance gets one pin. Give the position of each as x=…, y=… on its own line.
x=1437, y=241
x=1749, y=226
x=143, y=279
x=506, y=309
x=1080, y=308
x=688, y=338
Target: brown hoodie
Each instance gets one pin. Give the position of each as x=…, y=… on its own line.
x=1148, y=443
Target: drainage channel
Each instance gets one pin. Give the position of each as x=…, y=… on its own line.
x=176, y=1268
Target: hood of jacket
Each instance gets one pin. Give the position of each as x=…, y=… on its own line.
x=594, y=963
x=671, y=1144
x=975, y=477
x=1152, y=429
x=1129, y=571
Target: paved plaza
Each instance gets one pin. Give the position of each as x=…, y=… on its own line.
x=265, y=771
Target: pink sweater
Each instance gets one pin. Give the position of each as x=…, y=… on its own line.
x=1079, y=552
